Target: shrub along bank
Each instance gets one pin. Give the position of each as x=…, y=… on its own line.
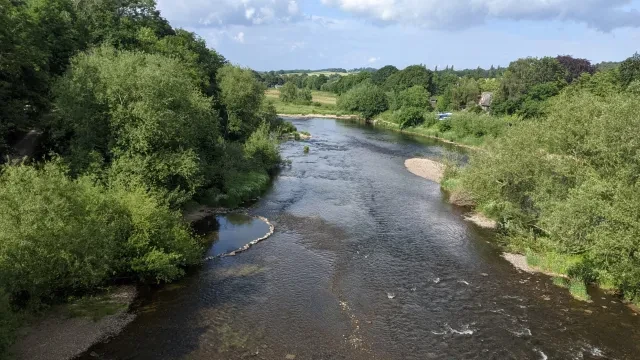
x=139, y=120
x=565, y=187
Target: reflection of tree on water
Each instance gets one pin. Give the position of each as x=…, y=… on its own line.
x=206, y=226
x=235, y=219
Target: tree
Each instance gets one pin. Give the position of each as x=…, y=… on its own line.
x=366, y=98
x=444, y=80
x=242, y=96
x=23, y=86
x=630, y=70
x=191, y=50
x=117, y=22
x=521, y=76
x=575, y=67
x=414, y=97
x=410, y=76
x=409, y=116
x=379, y=77
x=289, y=92
x=465, y=93
x=346, y=83
x=142, y=114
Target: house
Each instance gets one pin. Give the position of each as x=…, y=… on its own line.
x=278, y=86
x=434, y=101
x=485, y=100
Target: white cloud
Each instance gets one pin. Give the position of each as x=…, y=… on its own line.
x=373, y=60
x=604, y=15
x=222, y=13
x=239, y=37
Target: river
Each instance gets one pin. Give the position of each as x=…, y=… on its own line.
x=369, y=262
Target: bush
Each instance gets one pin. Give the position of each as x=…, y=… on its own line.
x=444, y=125
x=63, y=233
x=366, y=98
x=72, y=235
x=409, y=116
x=414, y=97
x=262, y=148
x=143, y=112
x=465, y=124
x=568, y=184
x=159, y=244
x=290, y=93
x=240, y=187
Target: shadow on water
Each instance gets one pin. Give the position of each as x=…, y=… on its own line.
x=367, y=262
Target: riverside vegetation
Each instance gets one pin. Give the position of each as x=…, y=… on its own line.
x=558, y=161
x=139, y=120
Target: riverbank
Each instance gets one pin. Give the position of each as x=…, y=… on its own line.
x=321, y=116
x=413, y=131
x=434, y=171
x=551, y=266
x=71, y=329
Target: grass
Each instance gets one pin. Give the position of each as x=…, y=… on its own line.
x=385, y=120
x=553, y=263
x=560, y=265
x=323, y=103
x=576, y=287
x=94, y=307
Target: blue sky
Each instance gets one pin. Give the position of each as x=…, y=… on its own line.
x=312, y=34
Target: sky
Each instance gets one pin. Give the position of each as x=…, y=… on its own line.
x=315, y=34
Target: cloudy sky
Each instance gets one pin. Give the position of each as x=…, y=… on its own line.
x=312, y=34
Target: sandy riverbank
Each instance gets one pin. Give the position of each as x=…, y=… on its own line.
x=428, y=169
x=434, y=171
x=60, y=336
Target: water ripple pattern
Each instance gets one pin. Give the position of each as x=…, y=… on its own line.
x=369, y=262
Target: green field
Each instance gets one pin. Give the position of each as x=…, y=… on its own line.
x=323, y=103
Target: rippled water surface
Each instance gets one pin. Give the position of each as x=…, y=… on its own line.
x=369, y=262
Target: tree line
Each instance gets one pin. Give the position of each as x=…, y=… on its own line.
x=139, y=120
x=562, y=178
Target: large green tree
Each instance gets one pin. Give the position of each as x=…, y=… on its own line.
x=379, y=77
x=630, y=70
x=242, y=96
x=522, y=76
x=144, y=114
x=366, y=99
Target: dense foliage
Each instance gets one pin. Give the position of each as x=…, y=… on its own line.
x=366, y=99
x=138, y=120
x=290, y=93
x=567, y=183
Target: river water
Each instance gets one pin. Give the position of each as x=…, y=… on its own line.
x=369, y=262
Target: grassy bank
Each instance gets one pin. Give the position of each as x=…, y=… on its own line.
x=564, y=189
x=322, y=103
x=463, y=128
